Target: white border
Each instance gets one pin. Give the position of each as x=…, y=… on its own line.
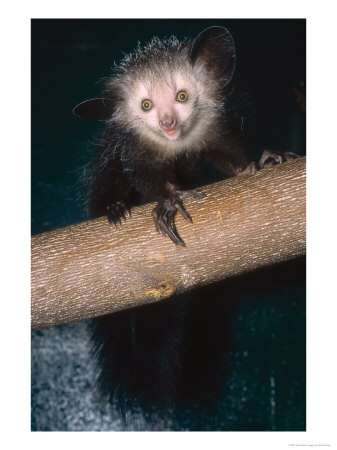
x=15, y=147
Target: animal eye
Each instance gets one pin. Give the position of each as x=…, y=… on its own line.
x=147, y=105
x=182, y=96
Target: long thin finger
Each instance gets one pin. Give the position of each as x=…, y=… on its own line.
x=183, y=212
x=168, y=231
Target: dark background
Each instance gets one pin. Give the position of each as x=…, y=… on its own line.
x=265, y=386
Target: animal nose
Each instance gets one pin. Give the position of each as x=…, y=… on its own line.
x=168, y=122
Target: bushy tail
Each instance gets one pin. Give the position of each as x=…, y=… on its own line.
x=138, y=354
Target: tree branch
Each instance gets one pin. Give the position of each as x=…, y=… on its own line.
x=244, y=223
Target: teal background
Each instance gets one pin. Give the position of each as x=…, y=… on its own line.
x=265, y=385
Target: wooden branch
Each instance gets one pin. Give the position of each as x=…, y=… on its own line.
x=244, y=223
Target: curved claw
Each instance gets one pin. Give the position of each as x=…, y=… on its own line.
x=289, y=155
x=183, y=212
x=270, y=158
x=116, y=213
x=165, y=211
x=163, y=216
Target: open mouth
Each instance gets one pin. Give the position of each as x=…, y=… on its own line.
x=172, y=134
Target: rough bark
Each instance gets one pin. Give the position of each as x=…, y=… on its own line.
x=243, y=223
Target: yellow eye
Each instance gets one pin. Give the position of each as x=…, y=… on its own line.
x=147, y=105
x=182, y=96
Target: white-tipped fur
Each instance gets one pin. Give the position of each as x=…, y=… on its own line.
x=158, y=72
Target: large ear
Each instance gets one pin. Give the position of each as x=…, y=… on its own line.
x=95, y=109
x=215, y=48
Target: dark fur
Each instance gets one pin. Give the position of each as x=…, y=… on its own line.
x=142, y=370
x=147, y=357
x=135, y=173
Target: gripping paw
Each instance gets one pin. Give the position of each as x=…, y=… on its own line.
x=116, y=213
x=269, y=158
x=165, y=211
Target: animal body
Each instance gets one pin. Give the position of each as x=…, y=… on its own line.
x=165, y=112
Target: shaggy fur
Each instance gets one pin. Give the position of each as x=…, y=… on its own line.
x=151, y=155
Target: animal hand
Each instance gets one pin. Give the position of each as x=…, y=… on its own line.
x=164, y=213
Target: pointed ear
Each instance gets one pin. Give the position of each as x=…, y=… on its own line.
x=214, y=47
x=95, y=109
